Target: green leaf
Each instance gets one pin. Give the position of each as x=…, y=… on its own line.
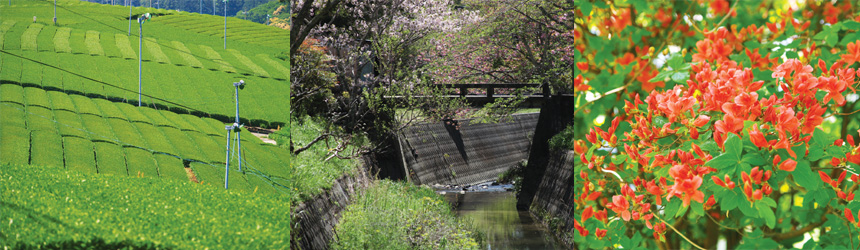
x=815, y=152
x=673, y=206
x=752, y=45
x=821, y=137
x=680, y=77
x=768, y=201
x=585, y=7
x=618, y=159
x=734, y=145
x=850, y=25
x=723, y=161
x=729, y=201
x=804, y=176
x=837, y=152
x=832, y=40
x=698, y=208
x=681, y=211
x=767, y=214
x=849, y=38
x=746, y=207
x=754, y=159
x=676, y=62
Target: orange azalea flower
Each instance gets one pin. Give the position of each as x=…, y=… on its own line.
x=626, y=59
x=852, y=54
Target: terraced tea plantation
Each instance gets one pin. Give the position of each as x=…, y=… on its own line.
x=185, y=68
x=68, y=95
x=52, y=128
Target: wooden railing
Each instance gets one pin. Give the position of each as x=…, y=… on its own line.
x=490, y=87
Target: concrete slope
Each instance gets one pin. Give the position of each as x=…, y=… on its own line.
x=460, y=153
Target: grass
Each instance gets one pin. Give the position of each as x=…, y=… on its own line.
x=312, y=172
x=563, y=140
x=398, y=215
x=46, y=207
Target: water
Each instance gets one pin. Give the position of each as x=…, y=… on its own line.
x=495, y=214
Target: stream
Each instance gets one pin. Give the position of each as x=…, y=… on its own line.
x=493, y=210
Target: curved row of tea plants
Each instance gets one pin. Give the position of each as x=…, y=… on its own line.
x=53, y=128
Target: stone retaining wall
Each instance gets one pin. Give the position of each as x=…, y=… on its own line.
x=313, y=221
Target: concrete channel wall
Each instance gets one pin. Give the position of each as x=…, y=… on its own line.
x=553, y=202
x=314, y=220
x=460, y=152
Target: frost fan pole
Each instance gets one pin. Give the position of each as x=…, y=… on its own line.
x=225, y=29
x=140, y=21
x=235, y=127
x=129, y=16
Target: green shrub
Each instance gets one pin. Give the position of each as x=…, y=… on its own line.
x=108, y=43
x=126, y=133
x=77, y=40
x=155, y=50
x=28, y=39
x=61, y=40
x=155, y=139
x=94, y=46
x=209, y=175
x=70, y=124
x=214, y=56
x=45, y=40
x=398, y=215
x=71, y=210
x=140, y=162
x=248, y=63
x=124, y=45
x=15, y=148
x=170, y=167
x=110, y=158
x=61, y=101
x=13, y=115
x=4, y=27
x=563, y=140
x=185, y=53
x=32, y=72
x=40, y=118
x=278, y=66
x=46, y=149
x=78, y=154
x=12, y=93
x=13, y=36
x=84, y=105
x=109, y=109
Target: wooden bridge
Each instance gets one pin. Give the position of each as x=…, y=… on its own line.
x=533, y=100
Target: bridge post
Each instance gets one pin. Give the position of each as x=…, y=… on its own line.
x=546, y=90
x=490, y=92
x=463, y=91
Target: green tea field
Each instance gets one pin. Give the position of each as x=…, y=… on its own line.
x=69, y=102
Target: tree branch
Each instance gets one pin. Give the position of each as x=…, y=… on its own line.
x=676, y=231
x=799, y=232
x=306, y=147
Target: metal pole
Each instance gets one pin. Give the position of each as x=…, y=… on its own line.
x=129, y=17
x=227, y=167
x=139, y=62
x=225, y=26
x=238, y=133
x=55, y=12
x=201, y=7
